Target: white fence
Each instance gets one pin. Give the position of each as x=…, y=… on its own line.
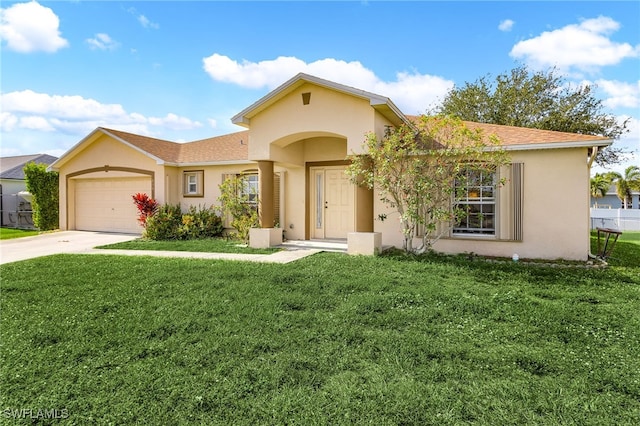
x=621, y=219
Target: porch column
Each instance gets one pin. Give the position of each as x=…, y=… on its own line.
x=364, y=209
x=265, y=193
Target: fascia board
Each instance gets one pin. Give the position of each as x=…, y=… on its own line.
x=557, y=145
x=55, y=166
x=211, y=163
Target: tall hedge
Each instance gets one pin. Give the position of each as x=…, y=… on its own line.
x=43, y=186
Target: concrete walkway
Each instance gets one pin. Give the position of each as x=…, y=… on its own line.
x=284, y=256
x=83, y=242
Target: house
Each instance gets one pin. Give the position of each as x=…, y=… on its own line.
x=16, y=209
x=612, y=201
x=295, y=149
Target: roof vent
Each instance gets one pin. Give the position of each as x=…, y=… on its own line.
x=306, y=98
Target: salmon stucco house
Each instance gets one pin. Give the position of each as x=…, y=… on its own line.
x=294, y=151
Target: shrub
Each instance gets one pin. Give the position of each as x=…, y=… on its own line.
x=146, y=205
x=43, y=186
x=239, y=205
x=169, y=223
x=164, y=224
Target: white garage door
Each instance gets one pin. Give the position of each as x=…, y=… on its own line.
x=106, y=204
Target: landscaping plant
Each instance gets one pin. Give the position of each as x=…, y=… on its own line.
x=146, y=205
x=170, y=223
x=43, y=186
x=237, y=205
x=415, y=169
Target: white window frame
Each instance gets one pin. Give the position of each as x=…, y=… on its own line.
x=250, y=187
x=193, y=183
x=478, y=194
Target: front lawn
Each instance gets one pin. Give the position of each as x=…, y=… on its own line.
x=9, y=233
x=208, y=245
x=329, y=339
x=626, y=251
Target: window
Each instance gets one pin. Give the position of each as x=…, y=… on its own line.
x=193, y=183
x=476, y=198
x=249, y=187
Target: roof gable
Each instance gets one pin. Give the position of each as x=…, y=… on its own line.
x=230, y=147
x=382, y=104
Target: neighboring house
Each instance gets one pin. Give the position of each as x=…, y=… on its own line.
x=612, y=201
x=16, y=210
x=295, y=148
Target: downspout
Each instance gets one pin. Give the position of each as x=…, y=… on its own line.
x=592, y=157
x=590, y=160
x=1, y=208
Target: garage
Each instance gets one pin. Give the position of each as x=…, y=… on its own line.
x=105, y=204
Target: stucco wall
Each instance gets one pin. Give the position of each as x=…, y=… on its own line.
x=329, y=113
x=555, y=211
x=213, y=177
x=99, y=152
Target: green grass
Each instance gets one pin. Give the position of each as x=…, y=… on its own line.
x=8, y=233
x=329, y=339
x=209, y=245
x=626, y=251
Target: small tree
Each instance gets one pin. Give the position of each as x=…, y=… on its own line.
x=599, y=185
x=146, y=206
x=43, y=186
x=240, y=205
x=625, y=183
x=539, y=100
x=415, y=170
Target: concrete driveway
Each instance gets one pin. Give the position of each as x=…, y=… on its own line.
x=17, y=249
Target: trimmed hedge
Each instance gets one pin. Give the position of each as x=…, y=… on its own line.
x=43, y=186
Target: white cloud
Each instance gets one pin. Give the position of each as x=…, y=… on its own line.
x=585, y=47
x=145, y=22
x=506, y=25
x=8, y=121
x=36, y=123
x=28, y=110
x=412, y=92
x=212, y=122
x=174, y=122
x=30, y=27
x=74, y=107
x=102, y=41
x=620, y=94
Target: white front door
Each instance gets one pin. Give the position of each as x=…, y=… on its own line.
x=332, y=203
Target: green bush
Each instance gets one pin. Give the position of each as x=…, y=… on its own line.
x=199, y=223
x=43, y=186
x=169, y=223
x=240, y=205
x=164, y=224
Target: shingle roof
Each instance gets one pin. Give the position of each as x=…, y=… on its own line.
x=511, y=136
x=234, y=146
x=228, y=147
x=12, y=167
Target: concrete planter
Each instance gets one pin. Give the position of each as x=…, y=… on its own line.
x=364, y=243
x=265, y=237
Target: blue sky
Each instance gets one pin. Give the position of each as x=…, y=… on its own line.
x=181, y=70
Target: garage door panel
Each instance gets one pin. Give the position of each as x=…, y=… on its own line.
x=106, y=204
